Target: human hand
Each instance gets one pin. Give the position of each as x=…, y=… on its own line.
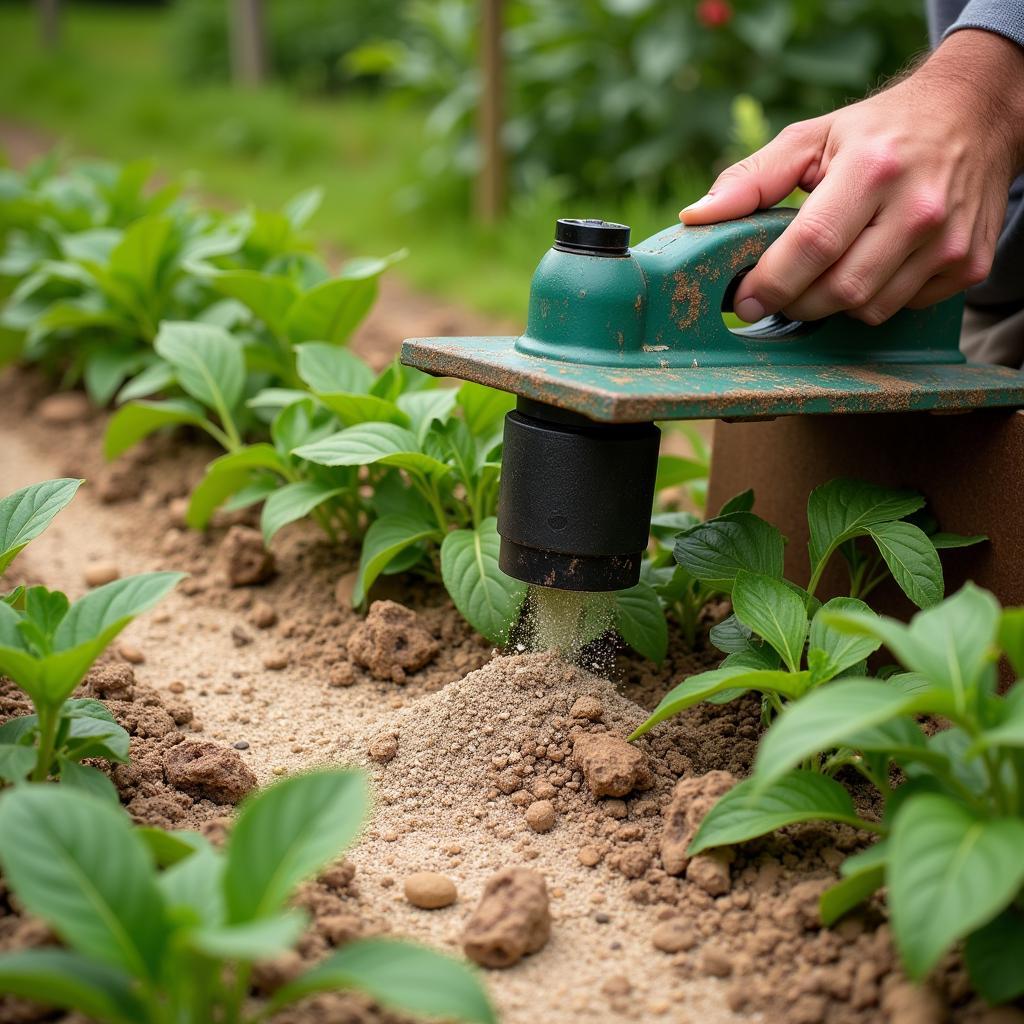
x=908, y=190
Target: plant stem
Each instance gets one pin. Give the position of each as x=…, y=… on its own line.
x=49, y=720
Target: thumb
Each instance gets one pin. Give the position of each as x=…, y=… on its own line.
x=764, y=178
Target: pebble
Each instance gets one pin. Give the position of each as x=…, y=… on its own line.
x=344, y=589
x=239, y=637
x=342, y=674
x=429, y=890
x=63, y=408
x=602, y=918
x=275, y=660
x=588, y=856
x=674, y=936
x=383, y=748
x=131, y=653
x=263, y=615
x=587, y=707
x=177, y=686
x=99, y=573
x=540, y=815
x=241, y=745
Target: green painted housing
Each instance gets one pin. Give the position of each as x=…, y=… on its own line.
x=641, y=337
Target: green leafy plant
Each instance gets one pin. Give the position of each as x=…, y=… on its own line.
x=778, y=640
x=951, y=833
x=46, y=646
x=27, y=512
x=149, y=947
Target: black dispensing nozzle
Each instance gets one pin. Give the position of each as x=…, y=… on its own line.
x=576, y=497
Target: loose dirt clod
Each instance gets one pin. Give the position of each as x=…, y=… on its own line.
x=64, y=407
x=611, y=766
x=246, y=560
x=430, y=891
x=132, y=654
x=114, y=681
x=710, y=870
x=263, y=615
x=390, y=642
x=383, y=748
x=691, y=799
x=206, y=770
x=540, y=815
x=587, y=707
x=99, y=573
x=674, y=935
x=511, y=921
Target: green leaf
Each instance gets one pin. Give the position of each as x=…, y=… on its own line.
x=949, y=873
x=483, y=408
x=912, y=560
x=292, y=502
x=399, y=976
x=747, y=811
x=700, y=687
x=369, y=443
x=487, y=598
x=666, y=525
x=950, y=644
x=16, y=761
x=1011, y=638
x=285, y=833
x=850, y=892
x=331, y=311
x=742, y=502
x=385, y=540
x=300, y=208
x=156, y=377
x=193, y=886
x=640, y=620
x=139, y=257
x=730, y=636
x=774, y=612
x=823, y=719
x=132, y=422
x=423, y=407
x=75, y=861
x=252, y=940
x=674, y=470
x=354, y=409
x=71, y=981
x=994, y=954
x=28, y=511
x=843, y=509
x=87, y=779
x=170, y=847
x=715, y=551
x=208, y=363
x=327, y=368
x=269, y=296
x=106, y=370
x=843, y=650
x=946, y=541
x=227, y=475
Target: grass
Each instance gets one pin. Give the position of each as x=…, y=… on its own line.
x=110, y=92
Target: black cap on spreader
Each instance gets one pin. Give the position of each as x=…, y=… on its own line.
x=591, y=237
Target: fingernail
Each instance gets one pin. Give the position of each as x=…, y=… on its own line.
x=749, y=310
x=703, y=201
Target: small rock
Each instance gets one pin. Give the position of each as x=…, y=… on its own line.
x=716, y=962
x=429, y=890
x=540, y=815
x=263, y=615
x=676, y=935
x=390, y=642
x=589, y=856
x=239, y=637
x=691, y=799
x=617, y=986
x=602, y=918
x=245, y=557
x=99, y=573
x=345, y=588
x=633, y=860
x=587, y=707
x=275, y=660
x=906, y=1003
x=710, y=870
x=341, y=674
x=611, y=766
x=130, y=653
x=511, y=921
x=339, y=928
x=241, y=745
x=614, y=808
x=63, y=408
x=208, y=771
x=383, y=748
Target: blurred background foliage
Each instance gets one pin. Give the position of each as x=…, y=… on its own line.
x=618, y=108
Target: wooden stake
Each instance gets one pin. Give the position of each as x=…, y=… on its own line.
x=248, y=42
x=490, y=193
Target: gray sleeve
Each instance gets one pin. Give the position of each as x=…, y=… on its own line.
x=1004, y=17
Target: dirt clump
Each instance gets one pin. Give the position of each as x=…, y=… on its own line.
x=391, y=642
x=206, y=770
x=113, y=681
x=63, y=408
x=511, y=921
x=540, y=816
x=691, y=799
x=611, y=766
x=99, y=573
x=246, y=560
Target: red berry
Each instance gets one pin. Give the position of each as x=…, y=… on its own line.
x=714, y=13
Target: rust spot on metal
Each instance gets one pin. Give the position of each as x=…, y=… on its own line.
x=689, y=302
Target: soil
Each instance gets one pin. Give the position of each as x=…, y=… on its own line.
x=503, y=776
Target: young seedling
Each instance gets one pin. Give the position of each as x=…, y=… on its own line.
x=46, y=647
x=153, y=947
x=952, y=832
x=27, y=512
x=778, y=640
